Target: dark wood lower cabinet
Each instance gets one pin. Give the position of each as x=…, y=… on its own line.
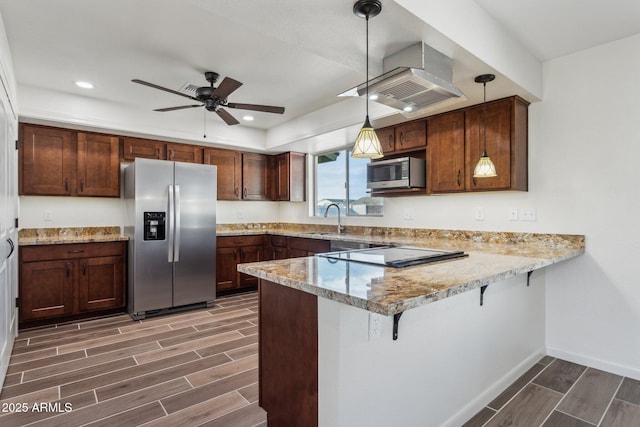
x=64, y=280
x=288, y=356
x=231, y=251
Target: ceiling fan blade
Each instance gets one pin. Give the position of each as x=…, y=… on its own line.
x=254, y=107
x=227, y=86
x=142, y=82
x=177, y=108
x=228, y=118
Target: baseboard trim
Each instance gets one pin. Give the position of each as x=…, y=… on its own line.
x=592, y=362
x=474, y=406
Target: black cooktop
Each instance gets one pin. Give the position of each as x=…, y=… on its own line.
x=396, y=256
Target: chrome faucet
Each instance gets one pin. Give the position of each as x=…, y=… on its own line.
x=340, y=226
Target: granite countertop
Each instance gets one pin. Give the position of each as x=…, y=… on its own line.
x=492, y=257
x=56, y=236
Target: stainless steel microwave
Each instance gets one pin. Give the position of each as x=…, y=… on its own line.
x=403, y=172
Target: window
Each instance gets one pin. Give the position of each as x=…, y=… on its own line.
x=342, y=180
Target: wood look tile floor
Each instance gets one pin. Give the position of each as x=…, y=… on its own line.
x=192, y=368
x=557, y=393
x=200, y=368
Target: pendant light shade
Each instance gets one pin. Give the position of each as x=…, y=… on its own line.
x=367, y=144
x=485, y=167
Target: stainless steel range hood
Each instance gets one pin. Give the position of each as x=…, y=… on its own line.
x=415, y=79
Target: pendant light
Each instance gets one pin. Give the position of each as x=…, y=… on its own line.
x=367, y=144
x=485, y=167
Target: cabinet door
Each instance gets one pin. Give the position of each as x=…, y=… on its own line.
x=226, y=274
x=387, y=139
x=184, y=153
x=100, y=283
x=498, y=144
x=46, y=289
x=229, y=165
x=279, y=173
x=298, y=253
x=445, y=153
x=411, y=135
x=249, y=254
x=98, y=165
x=254, y=176
x=297, y=177
x=145, y=148
x=47, y=161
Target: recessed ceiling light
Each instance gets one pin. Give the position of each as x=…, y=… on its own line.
x=84, y=85
x=408, y=108
x=373, y=96
x=247, y=118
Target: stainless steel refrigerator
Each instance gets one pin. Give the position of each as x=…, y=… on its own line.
x=171, y=224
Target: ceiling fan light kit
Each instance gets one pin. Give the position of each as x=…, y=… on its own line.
x=214, y=98
x=367, y=144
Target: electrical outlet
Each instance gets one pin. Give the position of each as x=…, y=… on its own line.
x=513, y=214
x=240, y=214
x=408, y=214
x=479, y=214
x=47, y=215
x=375, y=326
x=528, y=214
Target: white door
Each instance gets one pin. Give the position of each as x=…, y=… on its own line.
x=8, y=230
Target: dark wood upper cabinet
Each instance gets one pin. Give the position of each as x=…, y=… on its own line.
x=404, y=137
x=456, y=141
x=255, y=179
x=287, y=177
x=145, y=148
x=59, y=162
x=506, y=144
x=445, y=153
x=229, y=165
x=184, y=153
x=47, y=158
x=387, y=139
x=98, y=165
x=410, y=136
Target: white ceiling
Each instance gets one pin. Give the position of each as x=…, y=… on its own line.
x=294, y=53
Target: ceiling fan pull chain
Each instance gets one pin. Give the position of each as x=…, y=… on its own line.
x=205, y=122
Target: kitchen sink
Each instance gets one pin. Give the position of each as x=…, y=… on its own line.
x=340, y=245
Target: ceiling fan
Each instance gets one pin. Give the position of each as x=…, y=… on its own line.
x=214, y=98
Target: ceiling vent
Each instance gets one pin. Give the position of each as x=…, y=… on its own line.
x=415, y=79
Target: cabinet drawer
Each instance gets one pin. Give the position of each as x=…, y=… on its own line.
x=279, y=241
x=71, y=251
x=235, y=241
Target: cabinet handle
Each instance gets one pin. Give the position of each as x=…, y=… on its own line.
x=242, y=252
x=67, y=269
x=170, y=154
x=245, y=192
x=238, y=241
x=157, y=153
x=401, y=138
x=458, y=178
x=66, y=185
x=236, y=191
x=81, y=185
x=235, y=254
x=390, y=140
x=84, y=268
x=76, y=251
x=474, y=181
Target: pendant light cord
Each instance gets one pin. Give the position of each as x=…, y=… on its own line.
x=484, y=151
x=367, y=63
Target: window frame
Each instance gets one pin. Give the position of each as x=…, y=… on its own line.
x=314, y=201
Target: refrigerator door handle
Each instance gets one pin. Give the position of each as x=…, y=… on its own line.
x=176, y=251
x=170, y=222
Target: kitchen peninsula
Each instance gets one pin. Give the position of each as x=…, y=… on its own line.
x=332, y=361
